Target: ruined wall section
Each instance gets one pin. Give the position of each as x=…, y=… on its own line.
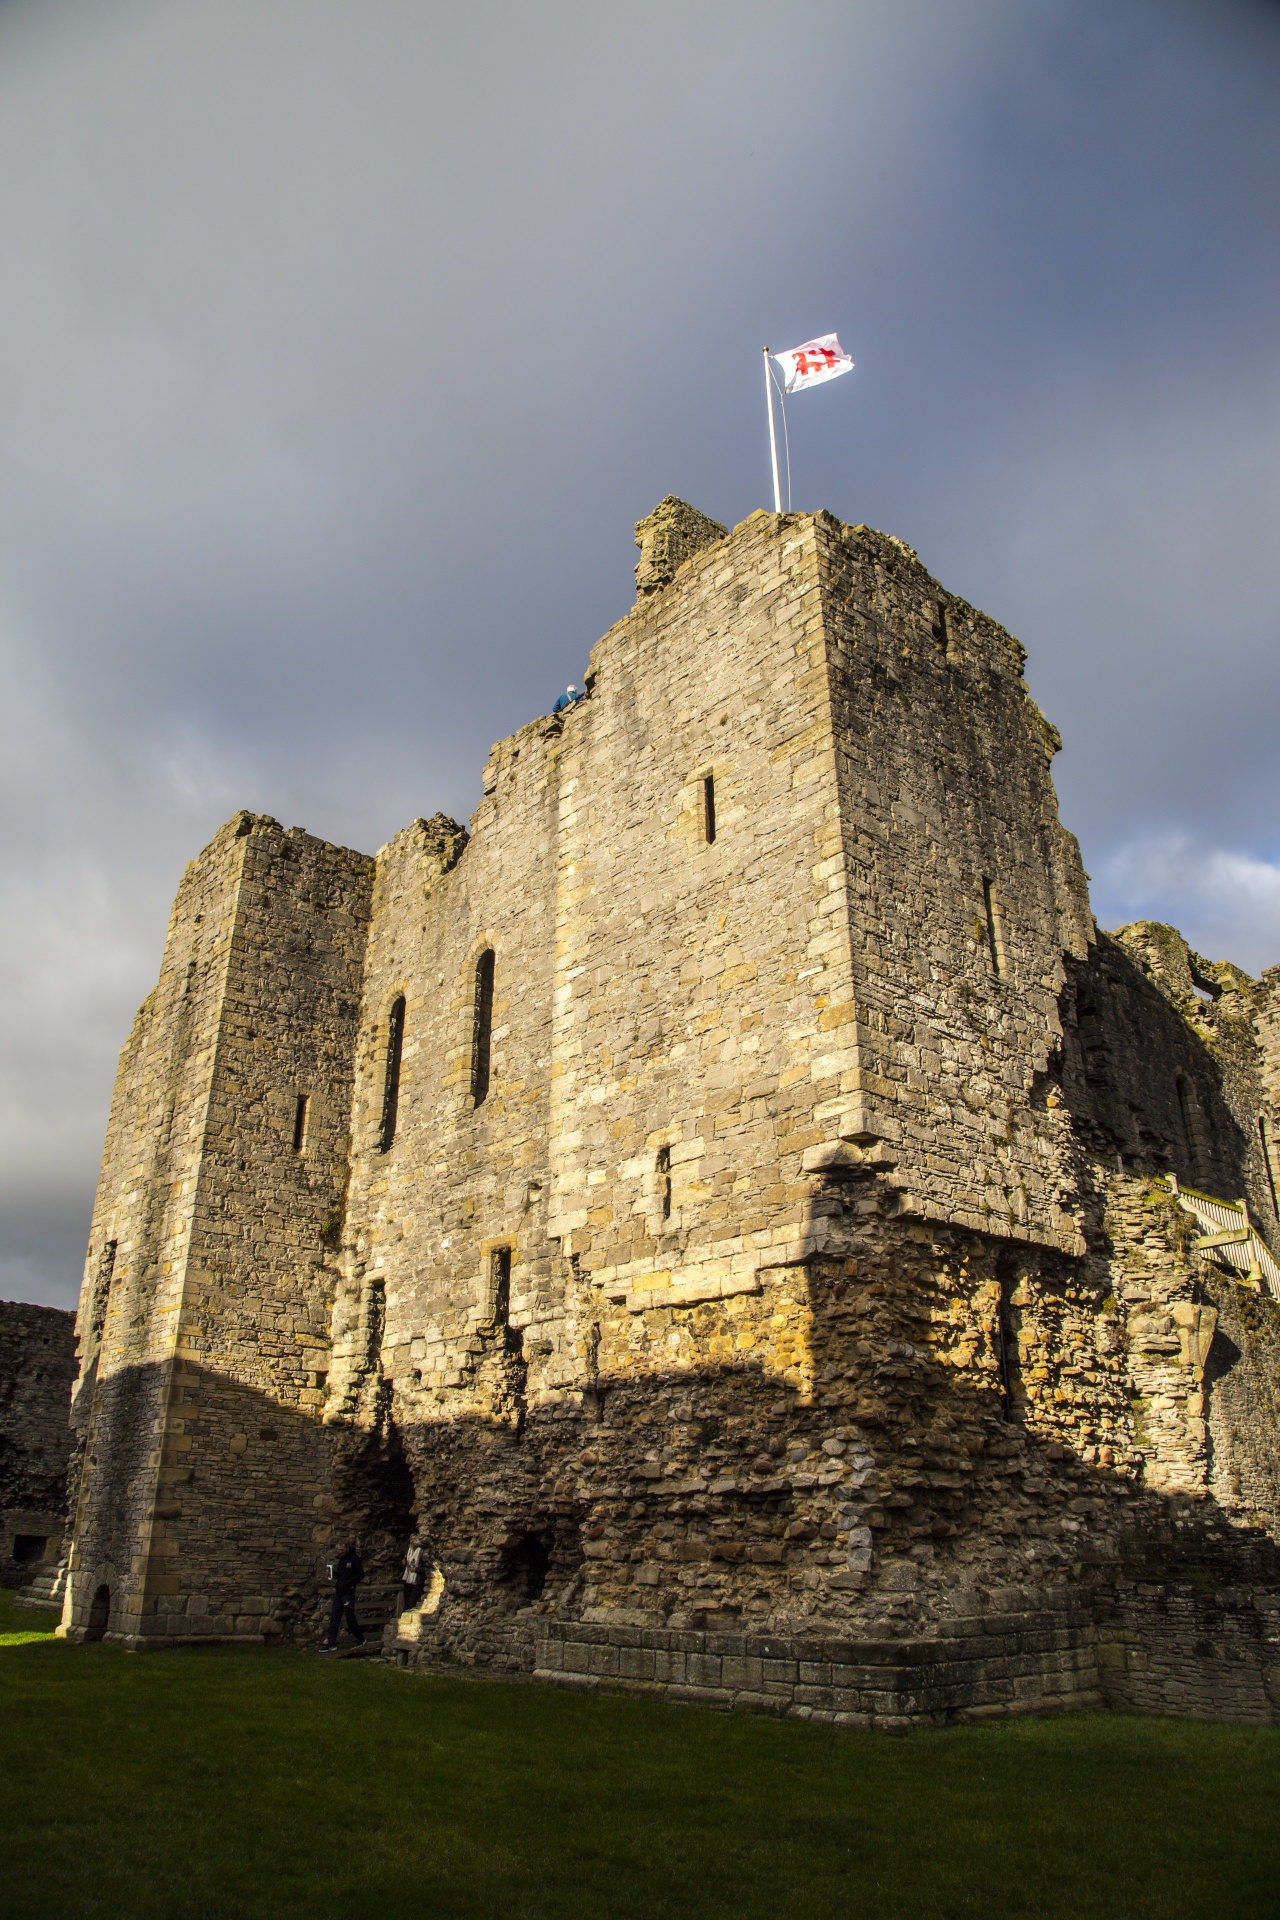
x=1242, y=1403
x=1182, y=1044
x=671, y=1003
x=37, y=1367
x=454, y=1321
x=460, y=1181
x=1164, y=1070
x=207, y=1339
x=964, y=894
x=132, y=1290
x=240, y=1529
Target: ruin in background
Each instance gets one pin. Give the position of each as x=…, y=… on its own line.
x=733, y=1199
x=37, y=1368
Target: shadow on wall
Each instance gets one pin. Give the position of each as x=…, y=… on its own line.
x=895, y=1497
x=232, y=1529
x=900, y=1493
x=1141, y=1084
x=918, y=1478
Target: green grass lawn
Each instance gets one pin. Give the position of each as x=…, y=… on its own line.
x=220, y=1782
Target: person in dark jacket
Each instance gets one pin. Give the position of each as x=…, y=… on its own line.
x=346, y=1573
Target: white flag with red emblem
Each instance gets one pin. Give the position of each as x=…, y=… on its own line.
x=816, y=361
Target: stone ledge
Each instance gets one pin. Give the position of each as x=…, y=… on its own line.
x=1026, y=1662
x=1074, y=1651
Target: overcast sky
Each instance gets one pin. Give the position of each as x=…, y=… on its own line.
x=342, y=341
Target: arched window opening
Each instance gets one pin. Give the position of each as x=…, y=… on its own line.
x=482, y=1037
x=391, y=1084
x=99, y=1613
x=709, y=807
x=1189, y=1109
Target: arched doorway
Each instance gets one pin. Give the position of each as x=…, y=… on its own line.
x=99, y=1613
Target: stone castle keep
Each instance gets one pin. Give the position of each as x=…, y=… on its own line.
x=733, y=1199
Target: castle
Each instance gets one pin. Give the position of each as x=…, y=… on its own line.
x=733, y=1200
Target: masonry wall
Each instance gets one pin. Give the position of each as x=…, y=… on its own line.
x=798, y=1266
x=737, y=1383
x=206, y=1381
x=965, y=895
x=132, y=1290
x=37, y=1366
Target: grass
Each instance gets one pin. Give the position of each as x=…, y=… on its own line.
x=223, y=1782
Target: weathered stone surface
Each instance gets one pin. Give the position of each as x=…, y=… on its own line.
x=727, y=1215
x=37, y=1367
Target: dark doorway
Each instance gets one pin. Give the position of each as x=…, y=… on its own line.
x=99, y=1614
x=29, y=1547
x=524, y=1566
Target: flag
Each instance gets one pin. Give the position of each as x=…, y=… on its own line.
x=816, y=361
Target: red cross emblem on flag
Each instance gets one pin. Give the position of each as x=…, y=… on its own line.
x=816, y=361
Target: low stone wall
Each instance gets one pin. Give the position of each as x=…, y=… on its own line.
x=1208, y=1655
x=1182, y=1650
x=981, y=1668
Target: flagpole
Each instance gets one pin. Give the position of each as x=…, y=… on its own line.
x=773, y=438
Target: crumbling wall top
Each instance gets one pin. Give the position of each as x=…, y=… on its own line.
x=672, y=532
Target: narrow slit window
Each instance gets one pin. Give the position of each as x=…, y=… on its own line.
x=102, y=1289
x=500, y=1286
x=1266, y=1161
x=993, y=941
x=709, y=807
x=664, y=1180
x=940, y=626
x=300, y=1113
x=1190, y=1114
x=1007, y=1337
x=482, y=1041
x=391, y=1084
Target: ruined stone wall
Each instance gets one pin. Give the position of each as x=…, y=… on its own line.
x=37, y=1366
x=131, y=1294
x=717, y=1213
x=965, y=894
x=1167, y=1065
x=205, y=1337
x=659, y=1029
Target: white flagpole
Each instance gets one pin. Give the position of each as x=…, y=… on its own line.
x=773, y=438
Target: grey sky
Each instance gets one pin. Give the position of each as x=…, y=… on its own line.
x=340, y=345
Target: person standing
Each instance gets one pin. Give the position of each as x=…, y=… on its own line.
x=414, y=1575
x=346, y=1573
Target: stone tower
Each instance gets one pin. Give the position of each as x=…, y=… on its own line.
x=721, y=1195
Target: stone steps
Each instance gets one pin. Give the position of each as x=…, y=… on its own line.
x=45, y=1591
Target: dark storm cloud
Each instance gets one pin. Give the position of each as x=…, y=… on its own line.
x=342, y=345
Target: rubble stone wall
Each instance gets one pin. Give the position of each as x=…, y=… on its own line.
x=37, y=1367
